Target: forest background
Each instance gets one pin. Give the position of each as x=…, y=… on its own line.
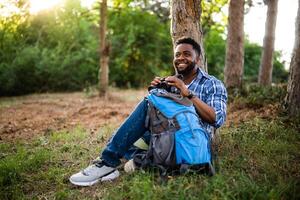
x=58, y=49
x=53, y=121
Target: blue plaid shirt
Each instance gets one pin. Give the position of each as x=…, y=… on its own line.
x=212, y=92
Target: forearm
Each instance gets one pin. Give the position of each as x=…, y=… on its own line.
x=206, y=112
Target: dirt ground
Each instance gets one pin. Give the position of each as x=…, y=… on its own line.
x=28, y=116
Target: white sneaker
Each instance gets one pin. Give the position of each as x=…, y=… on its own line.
x=111, y=176
x=93, y=174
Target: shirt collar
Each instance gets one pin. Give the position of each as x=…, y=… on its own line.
x=201, y=74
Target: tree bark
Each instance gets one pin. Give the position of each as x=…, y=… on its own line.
x=104, y=51
x=234, y=62
x=266, y=63
x=185, y=22
x=293, y=90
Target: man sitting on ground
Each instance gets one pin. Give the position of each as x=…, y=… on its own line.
x=207, y=94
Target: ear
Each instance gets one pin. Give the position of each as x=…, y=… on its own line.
x=197, y=59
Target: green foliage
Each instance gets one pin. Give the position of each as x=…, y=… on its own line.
x=252, y=57
x=213, y=16
x=214, y=46
x=252, y=62
x=279, y=73
x=56, y=50
x=139, y=50
x=254, y=95
x=51, y=51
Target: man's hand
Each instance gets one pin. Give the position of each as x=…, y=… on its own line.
x=174, y=81
x=155, y=81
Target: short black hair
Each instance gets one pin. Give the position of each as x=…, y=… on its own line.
x=188, y=40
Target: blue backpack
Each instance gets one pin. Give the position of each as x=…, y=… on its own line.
x=178, y=140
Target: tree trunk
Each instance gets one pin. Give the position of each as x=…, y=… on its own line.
x=266, y=63
x=185, y=22
x=293, y=90
x=104, y=51
x=234, y=62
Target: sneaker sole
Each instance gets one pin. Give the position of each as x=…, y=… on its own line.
x=107, y=177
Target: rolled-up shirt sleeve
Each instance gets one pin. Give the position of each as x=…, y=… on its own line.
x=217, y=98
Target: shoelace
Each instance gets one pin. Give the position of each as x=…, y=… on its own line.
x=98, y=163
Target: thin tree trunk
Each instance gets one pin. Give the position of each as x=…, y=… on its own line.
x=104, y=51
x=234, y=62
x=293, y=90
x=266, y=63
x=185, y=22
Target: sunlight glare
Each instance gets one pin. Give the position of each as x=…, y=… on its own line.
x=87, y=3
x=285, y=27
x=38, y=5
x=7, y=8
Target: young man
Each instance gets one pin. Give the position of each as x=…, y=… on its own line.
x=208, y=95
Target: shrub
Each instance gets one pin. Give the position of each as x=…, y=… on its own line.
x=254, y=95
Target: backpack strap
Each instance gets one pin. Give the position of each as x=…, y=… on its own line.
x=178, y=98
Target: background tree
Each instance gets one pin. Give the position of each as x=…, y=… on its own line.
x=234, y=61
x=266, y=64
x=293, y=90
x=104, y=51
x=185, y=21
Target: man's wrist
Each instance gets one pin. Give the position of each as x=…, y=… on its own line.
x=184, y=92
x=190, y=95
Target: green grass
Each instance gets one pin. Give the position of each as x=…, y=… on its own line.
x=41, y=168
x=259, y=159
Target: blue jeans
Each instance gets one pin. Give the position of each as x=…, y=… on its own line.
x=130, y=131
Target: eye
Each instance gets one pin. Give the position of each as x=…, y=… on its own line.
x=187, y=54
x=177, y=55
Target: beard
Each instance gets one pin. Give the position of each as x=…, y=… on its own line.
x=190, y=67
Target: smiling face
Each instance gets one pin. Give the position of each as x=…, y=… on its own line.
x=185, y=59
